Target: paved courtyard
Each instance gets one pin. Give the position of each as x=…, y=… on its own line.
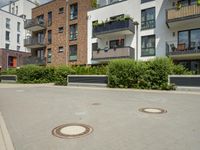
x=32, y=111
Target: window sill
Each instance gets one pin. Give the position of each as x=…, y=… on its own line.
x=147, y=29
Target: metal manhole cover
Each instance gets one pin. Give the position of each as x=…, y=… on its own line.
x=72, y=130
x=153, y=110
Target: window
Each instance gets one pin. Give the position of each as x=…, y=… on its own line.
x=49, y=56
x=18, y=48
x=18, y=26
x=116, y=43
x=148, y=19
x=7, y=23
x=7, y=36
x=40, y=19
x=94, y=46
x=49, y=18
x=49, y=37
x=144, y=1
x=148, y=45
x=16, y=10
x=73, y=32
x=13, y=10
x=18, y=38
x=60, y=29
x=7, y=46
x=40, y=54
x=73, y=11
x=61, y=10
x=73, y=52
x=189, y=39
x=61, y=49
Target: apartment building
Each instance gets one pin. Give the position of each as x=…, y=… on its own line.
x=12, y=33
x=145, y=29
x=59, y=31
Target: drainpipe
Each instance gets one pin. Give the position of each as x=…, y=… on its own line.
x=136, y=51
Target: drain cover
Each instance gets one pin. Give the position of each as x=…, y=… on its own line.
x=72, y=130
x=153, y=110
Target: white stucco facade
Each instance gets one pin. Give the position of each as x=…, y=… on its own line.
x=133, y=8
x=16, y=12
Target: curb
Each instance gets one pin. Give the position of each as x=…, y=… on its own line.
x=5, y=140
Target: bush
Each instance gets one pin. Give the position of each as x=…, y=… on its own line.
x=61, y=74
x=144, y=75
x=35, y=74
x=87, y=70
x=12, y=71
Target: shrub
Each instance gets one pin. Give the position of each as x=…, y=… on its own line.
x=87, y=70
x=144, y=75
x=9, y=72
x=61, y=74
x=35, y=74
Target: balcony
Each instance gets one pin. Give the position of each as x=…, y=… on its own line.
x=34, y=25
x=34, y=42
x=116, y=53
x=114, y=28
x=185, y=15
x=183, y=52
x=34, y=60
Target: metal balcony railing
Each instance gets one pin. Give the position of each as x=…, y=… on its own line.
x=114, y=26
x=115, y=53
x=31, y=23
x=175, y=48
x=34, y=60
x=182, y=13
x=34, y=41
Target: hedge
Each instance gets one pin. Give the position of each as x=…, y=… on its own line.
x=143, y=75
x=61, y=74
x=35, y=74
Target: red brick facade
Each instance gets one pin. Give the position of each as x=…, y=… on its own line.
x=62, y=39
x=17, y=55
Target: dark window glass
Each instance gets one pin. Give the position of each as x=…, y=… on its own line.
x=73, y=52
x=7, y=23
x=117, y=43
x=148, y=18
x=49, y=37
x=148, y=45
x=144, y=1
x=73, y=11
x=18, y=38
x=49, y=56
x=61, y=10
x=94, y=46
x=49, y=18
x=40, y=19
x=7, y=46
x=18, y=26
x=7, y=36
x=60, y=29
x=73, y=32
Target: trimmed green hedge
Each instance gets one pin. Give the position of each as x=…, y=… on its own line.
x=61, y=74
x=35, y=74
x=143, y=75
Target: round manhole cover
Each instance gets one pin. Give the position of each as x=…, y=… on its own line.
x=72, y=130
x=153, y=110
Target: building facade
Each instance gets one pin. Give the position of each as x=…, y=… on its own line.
x=12, y=31
x=59, y=31
x=145, y=29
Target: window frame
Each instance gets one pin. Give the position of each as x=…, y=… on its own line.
x=148, y=48
x=76, y=56
x=146, y=22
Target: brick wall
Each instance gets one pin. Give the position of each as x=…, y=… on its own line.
x=58, y=20
x=4, y=54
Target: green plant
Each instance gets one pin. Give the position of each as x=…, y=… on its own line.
x=94, y=3
x=144, y=75
x=61, y=74
x=178, y=5
x=198, y=2
x=11, y=71
x=35, y=74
